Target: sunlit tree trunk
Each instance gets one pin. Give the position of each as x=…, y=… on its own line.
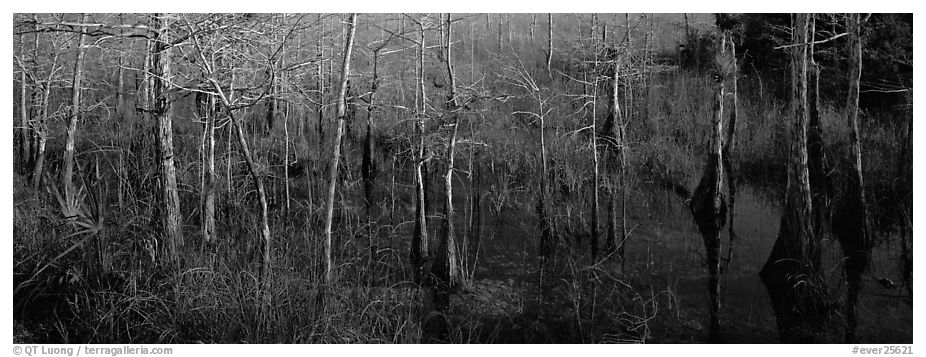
x=708, y=204
x=446, y=268
x=24, y=108
x=790, y=275
x=336, y=147
x=320, y=83
x=209, y=188
x=36, y=104
x=280, y=107
x=419, y=248
x=159, y=83
x=43, y=92
x=74, y=114
x=611, y=130
x=550, y=45
x=728, y=151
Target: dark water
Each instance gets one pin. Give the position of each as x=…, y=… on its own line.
x=665, y=254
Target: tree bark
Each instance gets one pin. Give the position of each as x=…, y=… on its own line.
x=73, y=115
x=790, y=275
x=320, y=83
x=446, y=269
x=550, y=45
x=533, y=25
x=595, y=172
x=336, y=147
x=708, y=205
x=36, y=105
x=159, y=83
x=419, y=248
x=728, y=150
x=41, y=130
x=24, y=99
x=120, y=93
x=546, y=231
x=208, y=227
x=611, y=128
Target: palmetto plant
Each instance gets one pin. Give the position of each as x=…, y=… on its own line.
x=84, y=213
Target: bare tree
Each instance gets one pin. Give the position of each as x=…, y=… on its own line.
x=159, y=84
x=550, y=45
x=612, y=135
x=230, y=104
x=419, y=247
x=790, y=274
x=336, y=147
x=521, y=78
x=594, y=137
x=729, y=147
x=24, y=107
x=41, y=97
x=446, y=268
x=74, y=115
x=209, y=112
x=708, y=204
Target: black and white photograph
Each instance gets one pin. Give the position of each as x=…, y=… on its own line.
x=466, y=178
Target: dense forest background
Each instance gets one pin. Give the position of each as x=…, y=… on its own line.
x=590, y=178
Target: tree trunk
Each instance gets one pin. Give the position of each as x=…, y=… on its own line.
x=595, y=174
x=419, y=248
x=533, y=25
x=708, y=206
x=508, y=27
x=500, y=26
x=851, y=224
x=336, y=147
x=36, y=105
x=120, y=93
x=24, y=123
x=790, y=275
x=728, y=153
x=819, y=182
x=368, y=165
x=73, y=115
x=446, y=268
x=282, y=108
x=41, y=130
x=208, y=226
x=550, y=45
x=320, y=83
x=159, y=82
x=610, y=129
x=546, y=233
